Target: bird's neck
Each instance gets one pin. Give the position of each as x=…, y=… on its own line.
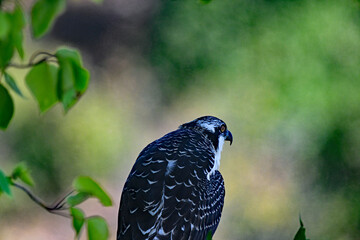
x=217, y=157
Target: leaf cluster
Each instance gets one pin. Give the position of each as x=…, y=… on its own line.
x=20, y=172
x=64, y=82
x=84, y=188
x=52, y=78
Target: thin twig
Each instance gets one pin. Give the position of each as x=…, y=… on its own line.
x=56, y=208
x=36, y=199
x=30, y=64
x=48, y=58
x=36, y=54
x=62, y=201
x=53, y=61
x=63, y=214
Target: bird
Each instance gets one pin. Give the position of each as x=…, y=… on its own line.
x=174, y=190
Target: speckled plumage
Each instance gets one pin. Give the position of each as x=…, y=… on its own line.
x=168, y=194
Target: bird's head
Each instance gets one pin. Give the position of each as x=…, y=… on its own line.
x=213, y=128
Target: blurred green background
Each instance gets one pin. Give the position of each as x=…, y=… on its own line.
x=284, y=76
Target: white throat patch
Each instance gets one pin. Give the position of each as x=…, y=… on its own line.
x=217, y=157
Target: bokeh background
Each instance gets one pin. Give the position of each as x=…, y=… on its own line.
x=284, y=76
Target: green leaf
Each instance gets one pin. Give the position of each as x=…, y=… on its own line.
x=4, y=25
x=86, y=185
x=12, y=84
x=6, y=107
x=77, y=199
x=69, y=54
x=14, y=37
x=22, y=172
x=43, y=14
x=81, y=79
x=18, y=22
x=7, y=52
x=78, y=219
x=66, y=91
x=97, y=228
x=300, y=235
x=18, y=18
x=18, y=43
x=80, y=74
x=4, y=184
x=73, y=77
x=41, y=81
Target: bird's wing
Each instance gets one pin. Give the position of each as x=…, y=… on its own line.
x=193, y=207
x=141, y=196
x=167, y=194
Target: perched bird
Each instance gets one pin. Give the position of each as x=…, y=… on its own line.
x=174, y=190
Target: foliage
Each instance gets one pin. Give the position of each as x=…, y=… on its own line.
x=84, y=186
x=43, y=14
x=21, y=172
x=6, y=106
x=97, y=228
x=4, y=184
x=41, y=80
x=78, y=219
x=52, y=78
x=300, y=235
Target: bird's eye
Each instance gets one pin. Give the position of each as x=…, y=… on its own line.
x=222, y=128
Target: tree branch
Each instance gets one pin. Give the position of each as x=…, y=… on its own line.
x=48, y=57
x=56, y=208
x=36, y=54
x=30, y=64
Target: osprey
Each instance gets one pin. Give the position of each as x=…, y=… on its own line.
x=174, y=190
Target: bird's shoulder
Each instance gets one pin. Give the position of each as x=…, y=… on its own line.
x=184, y=140
x=179, y=158
x=182, y=145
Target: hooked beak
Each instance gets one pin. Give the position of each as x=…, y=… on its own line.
x=228, y=136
